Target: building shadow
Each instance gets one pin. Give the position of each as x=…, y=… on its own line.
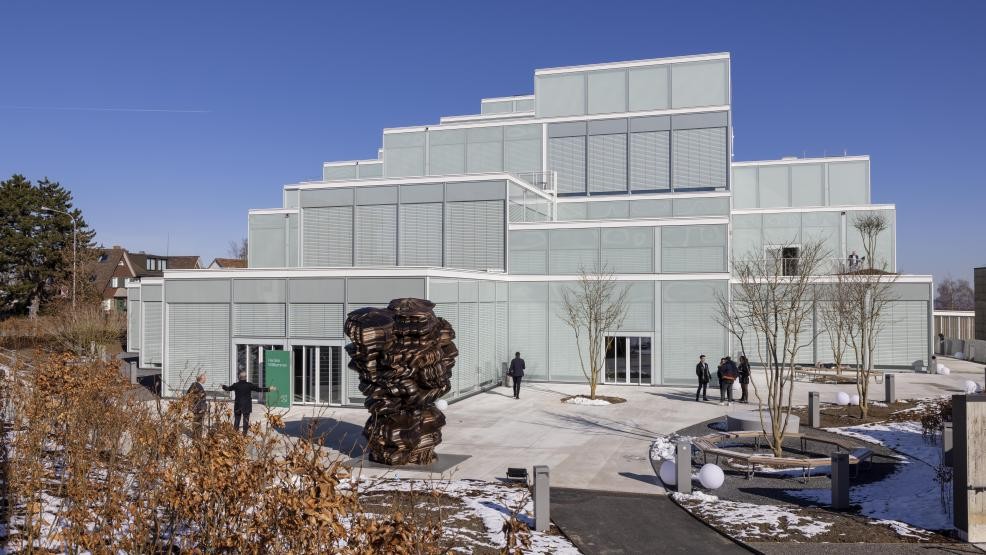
x=645, y=478
x=339, y=435
x=598, y=425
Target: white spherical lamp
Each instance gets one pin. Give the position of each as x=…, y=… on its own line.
x=441, y=405
x=854, y=399
x=736, y=387
x=711, y=476
x=944, y=370
x=971, y=387
x=842, y=398
x=959, y=355
x=669, y=473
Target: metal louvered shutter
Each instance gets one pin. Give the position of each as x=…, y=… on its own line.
x=133, y=326
x=328, y=236
x=687, y=331
x=450, y=312
x=151, y=340
x=421, y=234
x=501, y=338
x=904, y=337
x=475, y=235
x=447, y=152
x=566, y=155
x=198, y=342
x=258, y=320
x=607, y=163
x=376, y=236
x=699, y=158
x=650, y=164
x=315, y=320
x=467, y=339
x=487, y=346
x=528, y=332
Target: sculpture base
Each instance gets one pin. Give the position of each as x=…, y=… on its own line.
x=442, y=463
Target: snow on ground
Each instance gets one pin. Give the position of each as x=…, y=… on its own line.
x=492, y=502
x=910, y=495
x=586, y=401
x=750, y=522
x=663, y=447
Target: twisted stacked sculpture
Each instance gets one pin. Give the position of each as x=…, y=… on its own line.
x=404, y=355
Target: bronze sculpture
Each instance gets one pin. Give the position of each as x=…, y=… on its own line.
x=404, y=355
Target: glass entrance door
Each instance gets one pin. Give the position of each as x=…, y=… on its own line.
x=628, y=360
x=317, y=374
x=250, y=359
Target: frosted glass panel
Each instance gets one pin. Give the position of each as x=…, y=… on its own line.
x=848, y=183
x=745, y=187
x=696, y=84
x=648, y=88
x=607, y=91
x=560, y=95
x=807, y=181
x=773, y=187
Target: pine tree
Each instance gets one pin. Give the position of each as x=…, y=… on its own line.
x=36, y=246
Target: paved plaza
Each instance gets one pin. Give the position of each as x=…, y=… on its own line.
x=587, y=447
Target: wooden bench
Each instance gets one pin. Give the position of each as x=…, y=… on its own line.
x=708, y=444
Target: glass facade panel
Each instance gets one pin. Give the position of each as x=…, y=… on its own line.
x=608, y=91
x=560, y=95
x=696, y=84
x=648, y=88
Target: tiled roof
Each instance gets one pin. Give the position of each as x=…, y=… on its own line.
x=228, y=263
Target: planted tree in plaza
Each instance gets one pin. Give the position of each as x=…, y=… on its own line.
x=869, y=294
x=595, y=305
x=834, y=314
x=767, y=313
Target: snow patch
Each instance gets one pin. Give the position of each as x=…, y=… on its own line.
x=587, y=401
x=748, y=521
x=663, y=447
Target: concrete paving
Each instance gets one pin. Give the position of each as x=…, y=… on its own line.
x=586, y=447
x=608, y=523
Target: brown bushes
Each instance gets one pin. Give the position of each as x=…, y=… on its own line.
x=89, y=466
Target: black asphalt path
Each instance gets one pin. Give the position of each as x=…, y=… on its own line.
x=608, y=523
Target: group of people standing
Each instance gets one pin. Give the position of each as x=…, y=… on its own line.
x=727, y=373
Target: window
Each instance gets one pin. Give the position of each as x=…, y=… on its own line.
x=115, y=282
x=164, y=264
x=102, y=258
x=783, y=260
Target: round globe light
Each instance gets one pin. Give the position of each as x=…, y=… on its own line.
x=842, y=398
x=959, y=355
x=711, y=476
x=971, y=387
x=736, y=387
x=854, y=399
x=940, y=366
x=944, y=370
x=441, y=405
x=669, y=473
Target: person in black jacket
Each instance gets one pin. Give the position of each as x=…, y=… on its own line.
x=242, y=400
x=702, y=372
x=197, y=404
x=744, y=377
x=516, y=372
x=727, y=375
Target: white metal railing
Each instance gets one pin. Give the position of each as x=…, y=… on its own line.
x=790, y=266
x=546, y=181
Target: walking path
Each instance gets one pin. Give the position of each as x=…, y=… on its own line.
x=609, y=523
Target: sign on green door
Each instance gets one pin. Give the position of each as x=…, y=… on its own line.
x=277, y=367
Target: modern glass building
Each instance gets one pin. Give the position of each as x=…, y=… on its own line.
x=622, y=165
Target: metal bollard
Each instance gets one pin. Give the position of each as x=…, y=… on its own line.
x=506, y=378
x=683, y=466
x=542, y=499
x=946, y=443
x=840, y=481
x=814, y=404
x=889, y=389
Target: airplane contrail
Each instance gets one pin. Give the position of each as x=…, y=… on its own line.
x=88, y=109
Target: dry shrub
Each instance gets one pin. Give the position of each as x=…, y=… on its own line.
x=88, y=466
x=86, y=330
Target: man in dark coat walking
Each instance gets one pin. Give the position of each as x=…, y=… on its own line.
x=197, y=404
x=516, y=373
x=702, y=371
x=242, y=400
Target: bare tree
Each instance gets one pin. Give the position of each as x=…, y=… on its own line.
x=869, y=295
x=238, y=249
x=771, y=304
x=833, y=307
x=954, y=294
x=595, y=306
x=870, y=226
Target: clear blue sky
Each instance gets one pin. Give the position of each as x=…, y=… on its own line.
x=256, y=95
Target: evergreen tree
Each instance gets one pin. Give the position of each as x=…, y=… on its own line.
x=36, y=246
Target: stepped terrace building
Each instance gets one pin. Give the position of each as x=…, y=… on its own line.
x=623, y=165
